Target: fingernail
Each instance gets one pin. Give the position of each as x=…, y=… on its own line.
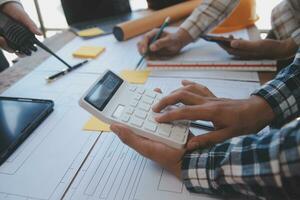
x=115, y=130
x=154, y=107
x=152, y=47
x=234, y=44
x=158, y=117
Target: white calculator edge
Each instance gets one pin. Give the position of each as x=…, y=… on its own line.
x=113, y=106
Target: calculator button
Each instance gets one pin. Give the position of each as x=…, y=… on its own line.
x=159, y=97
x=151, y=94
x=125, y=117
x=132, y=88
x=138, y=97
x=147, y=100
x=140, y=90
x=129, y=110
x=155, y=102
x=145, y=107
x=151, y=117
x=134, y=103
x=178, y=133
x=136, y=121
x=140, y=114
x=150, y=126
x=164, y=129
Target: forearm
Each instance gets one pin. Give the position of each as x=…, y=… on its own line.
x=264, y=165
x=208, y=15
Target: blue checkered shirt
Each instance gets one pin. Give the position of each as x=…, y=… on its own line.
x=264, y=165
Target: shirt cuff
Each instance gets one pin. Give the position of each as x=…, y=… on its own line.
x=194, y=173
x=190, y=27
x=281, y=99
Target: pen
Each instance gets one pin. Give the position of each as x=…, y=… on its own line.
x=202, y=126
x=156, y=37
x=67, y=70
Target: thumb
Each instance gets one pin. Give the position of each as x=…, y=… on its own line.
x=160, y=44
x=209, y=139
x=245, y=45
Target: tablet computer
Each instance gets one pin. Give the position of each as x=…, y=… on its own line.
x=18, y=119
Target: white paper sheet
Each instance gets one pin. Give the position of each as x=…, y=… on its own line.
x=44, y=165
x=114, y=171
x=117, y=55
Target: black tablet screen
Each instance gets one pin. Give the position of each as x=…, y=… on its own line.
x=16, y=117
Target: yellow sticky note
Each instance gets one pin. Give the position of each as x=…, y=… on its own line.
x=91, y=32
x=95, y=124
x=88, y=52
x=135, y=77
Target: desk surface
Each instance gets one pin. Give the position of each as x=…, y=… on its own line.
x=61, y=155
x=27, y=64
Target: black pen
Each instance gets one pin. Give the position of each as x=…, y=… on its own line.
x=156, y=37
x=203, y=126
x=67, y=70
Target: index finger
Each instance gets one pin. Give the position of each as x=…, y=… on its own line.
x=144, y=43
x=181, y=96
x=197, y=112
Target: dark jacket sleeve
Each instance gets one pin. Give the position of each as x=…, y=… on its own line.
x=159, y=4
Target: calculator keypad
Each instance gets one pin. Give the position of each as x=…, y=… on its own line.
x=138, y=113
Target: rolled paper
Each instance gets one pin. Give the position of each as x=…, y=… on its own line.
x=244, y=15
x=130, y=29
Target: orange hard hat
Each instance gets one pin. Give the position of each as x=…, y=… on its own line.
x=243, y=16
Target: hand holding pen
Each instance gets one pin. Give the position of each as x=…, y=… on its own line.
x=153, y=39
x=167, y=44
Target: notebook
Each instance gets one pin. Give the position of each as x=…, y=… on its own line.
x=210, y=56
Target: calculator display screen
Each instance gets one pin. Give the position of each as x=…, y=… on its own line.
x=104, y=90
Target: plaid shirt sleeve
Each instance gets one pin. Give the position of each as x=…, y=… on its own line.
x=207, y=16
x=283, y=94
x=286, y=20
x=260, y=166
x=265, y=164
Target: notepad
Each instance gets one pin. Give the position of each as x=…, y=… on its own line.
x=135, y=76
x=88, y=52
x=91, y=32
x=95, y=124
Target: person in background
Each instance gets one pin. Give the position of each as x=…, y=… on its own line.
x=14, y=9
x=210, y=13
x=236, y=158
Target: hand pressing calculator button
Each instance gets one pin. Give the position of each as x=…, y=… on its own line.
x=113, y=100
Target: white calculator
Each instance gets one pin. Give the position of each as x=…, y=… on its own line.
x=113, y=100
